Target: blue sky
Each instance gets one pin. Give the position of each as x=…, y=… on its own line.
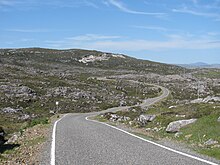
x=170, y=31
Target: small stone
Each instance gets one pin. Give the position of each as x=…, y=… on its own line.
x=155, y=129
x=130, y=123
x=188, y=136
x=211, y=142
x=24, y=117
x=218, y=119
x=52, y=112
x=14, y=138
x=178, y=134
x=216, y=146
x=114, y=117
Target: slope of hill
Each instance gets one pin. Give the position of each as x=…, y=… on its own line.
x=33, y=79
x=199, y=65
x=37, y=57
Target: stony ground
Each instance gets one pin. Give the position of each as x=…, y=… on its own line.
x=27, y=147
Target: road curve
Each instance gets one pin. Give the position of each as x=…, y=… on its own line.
x=83, y=142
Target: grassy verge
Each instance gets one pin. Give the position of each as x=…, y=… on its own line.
x=26, y=149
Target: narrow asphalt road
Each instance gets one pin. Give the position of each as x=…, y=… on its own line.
x=83, y=142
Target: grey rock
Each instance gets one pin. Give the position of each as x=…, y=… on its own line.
x=206, y=100
x=123, y=103
x=24, y=117
x=13, y=138
x=52, y=112
x=17, y=91
x=131, y=123
x=210, y=98
x=210, y=142
x=155, y=129
x=25, y=89
x=123, y=118
x=143, y=119
x=10, y=110
x=218, y=119
x=114, y=117
x=176, y=125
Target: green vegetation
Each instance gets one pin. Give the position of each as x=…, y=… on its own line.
x=208, y=73
x=38, y=121
x=213, y=152
x=144, y=136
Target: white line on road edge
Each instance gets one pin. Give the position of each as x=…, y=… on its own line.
x=53, y=143
x=159, y=145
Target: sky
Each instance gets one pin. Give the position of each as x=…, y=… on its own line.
x=168, y=31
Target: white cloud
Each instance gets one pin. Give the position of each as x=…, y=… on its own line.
x=123, y=8
x=90, y=37
x=28, y=30
x=158, y=28
x=185, y=10
x=138, y=45
x=30, y=4
x=112, y=43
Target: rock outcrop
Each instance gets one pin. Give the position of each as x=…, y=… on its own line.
x=10, y=110
x=92, y=58
x=114, y=117
x=176, y=125
x=206, y=100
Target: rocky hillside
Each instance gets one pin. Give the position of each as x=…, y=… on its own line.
x=38, y=58
x=33, y=79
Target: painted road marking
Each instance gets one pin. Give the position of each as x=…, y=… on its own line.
x=53, y=144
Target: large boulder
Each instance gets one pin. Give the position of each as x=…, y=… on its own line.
x=176, y=125
x=2, y=136
x=143, y=119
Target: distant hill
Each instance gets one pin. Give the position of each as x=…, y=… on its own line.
x=199, y=65
x=40, y=57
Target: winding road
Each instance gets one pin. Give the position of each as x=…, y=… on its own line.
x=79, y=141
